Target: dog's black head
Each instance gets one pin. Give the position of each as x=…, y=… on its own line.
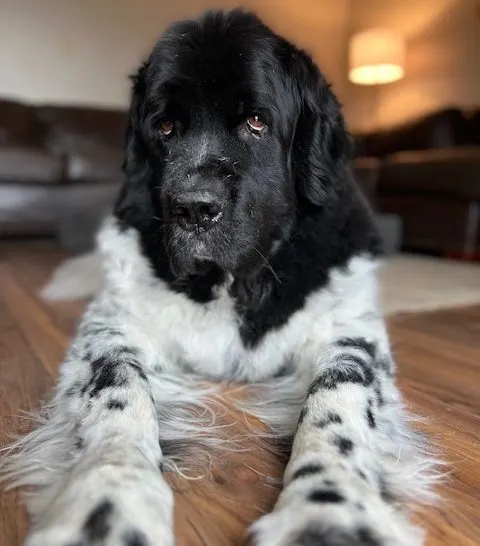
x=233, y=131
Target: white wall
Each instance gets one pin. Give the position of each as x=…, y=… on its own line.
x=81, y=51
x=77, y=51
x=442, y=61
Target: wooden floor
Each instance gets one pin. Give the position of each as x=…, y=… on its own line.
x=439, y=358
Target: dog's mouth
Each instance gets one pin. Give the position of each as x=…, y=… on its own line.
x=202, y=266
x=186, y=267
x=191, y=252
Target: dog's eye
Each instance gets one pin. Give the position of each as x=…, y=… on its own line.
x=256, y=124
x=166, y=127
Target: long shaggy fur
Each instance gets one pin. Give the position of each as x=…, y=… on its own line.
x=239, y=251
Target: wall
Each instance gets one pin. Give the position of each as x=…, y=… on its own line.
x=319, y=26
x=78, y=51
x=442, y=64
x=81, y=51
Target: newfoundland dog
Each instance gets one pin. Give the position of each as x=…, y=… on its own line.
x=239, y=249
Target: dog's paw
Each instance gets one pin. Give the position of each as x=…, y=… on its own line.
x=286, y=528
x=273, y=530
x=62, y=536
x=317, y=522
x=109, y=506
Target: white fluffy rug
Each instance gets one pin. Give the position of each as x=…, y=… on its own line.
x=411, y=283
x=408, y=283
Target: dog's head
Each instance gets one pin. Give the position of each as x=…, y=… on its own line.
x=232, y=132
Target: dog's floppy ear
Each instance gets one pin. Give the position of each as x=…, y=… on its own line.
x=134, y=204
x=321, y=147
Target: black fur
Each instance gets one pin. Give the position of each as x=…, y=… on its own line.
x=116, y=404
x=138, y=369
x=106, y=373
x=134, y=538
x=331, y=418
x=110, y=370
x=345, y=445
x=291, y=210
x=302, y=415
x=360, y=343
x=362, y=373
x=74, y=390
x=307, y=470
x=320, y=495
x=336, y=537
x=97, y=526
x=370, y=418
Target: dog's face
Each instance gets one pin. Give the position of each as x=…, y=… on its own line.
x=214, y=142
x=222, y=176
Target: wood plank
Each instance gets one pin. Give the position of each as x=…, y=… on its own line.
x=23, y=382
x=439, y=364
x=33, y=269
x=46, y=340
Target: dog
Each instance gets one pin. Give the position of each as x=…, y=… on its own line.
x=239, y=249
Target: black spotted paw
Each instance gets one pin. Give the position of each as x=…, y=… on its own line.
x=108, y=506
x=310, y=524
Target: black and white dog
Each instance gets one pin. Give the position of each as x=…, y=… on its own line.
x=239, y=249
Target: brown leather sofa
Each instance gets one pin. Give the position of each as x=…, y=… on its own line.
x=60, y=166
x=427, y=172
x=51, y=159
x=60, y=170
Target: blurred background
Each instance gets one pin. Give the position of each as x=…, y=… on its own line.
x=406, y=71
x=408, y=75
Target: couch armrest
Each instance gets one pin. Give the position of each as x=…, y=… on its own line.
x=453, y=172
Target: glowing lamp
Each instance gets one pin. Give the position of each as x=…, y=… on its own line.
x=376, y=56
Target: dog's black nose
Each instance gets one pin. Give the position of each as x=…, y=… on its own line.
x=197, y=209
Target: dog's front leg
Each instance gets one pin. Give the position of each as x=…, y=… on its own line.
x=94, y=464
x=355, y=461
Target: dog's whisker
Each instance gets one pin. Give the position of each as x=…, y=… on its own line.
x=268, y=264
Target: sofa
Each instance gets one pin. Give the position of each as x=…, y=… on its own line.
x=55, y=160
x=427, y=173
x=60, y=169
x=60, y=172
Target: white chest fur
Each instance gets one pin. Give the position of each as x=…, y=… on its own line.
x=205, y=338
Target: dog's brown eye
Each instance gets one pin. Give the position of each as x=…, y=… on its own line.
x=166, y=127
x=256, y=124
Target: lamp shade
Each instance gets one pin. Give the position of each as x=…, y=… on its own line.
x=376, y=56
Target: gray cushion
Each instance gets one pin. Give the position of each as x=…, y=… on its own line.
x=29, y=166
x=94, y=162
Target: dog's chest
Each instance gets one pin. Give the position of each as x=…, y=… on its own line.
x=205, y=338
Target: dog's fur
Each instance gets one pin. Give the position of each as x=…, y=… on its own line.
x=280, y=291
